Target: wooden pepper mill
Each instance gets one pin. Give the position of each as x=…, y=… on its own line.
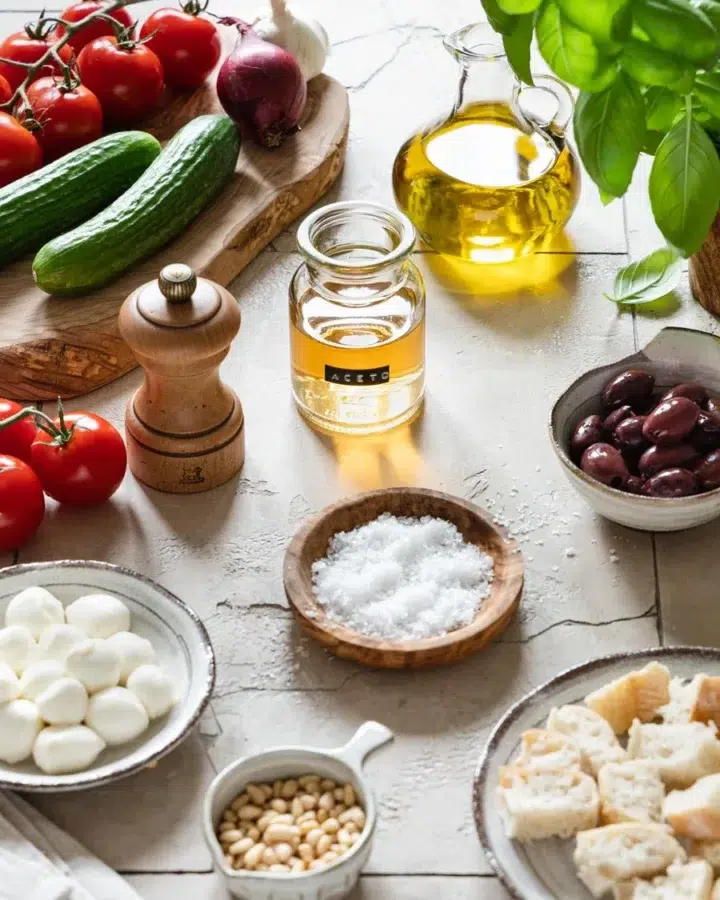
x=185, y=428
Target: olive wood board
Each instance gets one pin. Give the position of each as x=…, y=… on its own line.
x=476, y=526
x=52, y=346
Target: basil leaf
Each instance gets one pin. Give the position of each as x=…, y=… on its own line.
x=605, y=198
x=570, y=52
x=685, y=185
x=648, y=279
x=607, y=21
x=609, y=132
x=711, y=8
x=651, y=66
x=678, y=27
x=517, y=47
x=518, y=7
x=652, y=141
x=662, y=106
x=499, y=21
x=707, y=91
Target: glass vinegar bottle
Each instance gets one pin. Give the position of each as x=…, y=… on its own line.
x=492, y=181
x=357, y=320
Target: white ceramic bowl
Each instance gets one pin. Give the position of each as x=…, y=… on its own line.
x=182, y=647
x=344, y=764
x=674, y=355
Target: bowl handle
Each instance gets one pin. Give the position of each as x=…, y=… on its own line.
x=369, y=737
x=685, y=345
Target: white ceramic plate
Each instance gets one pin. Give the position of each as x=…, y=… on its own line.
x=182, y=647
x=544, y=870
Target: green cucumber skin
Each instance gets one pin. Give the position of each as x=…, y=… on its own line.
x=70, y=190
x=192, y=169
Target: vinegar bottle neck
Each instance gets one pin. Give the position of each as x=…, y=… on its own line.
x=484, y=81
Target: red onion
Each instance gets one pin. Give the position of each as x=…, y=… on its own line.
x=261, y=86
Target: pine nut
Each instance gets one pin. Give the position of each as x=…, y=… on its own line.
x=276, y=834
x=306, y=853
x=229, y=837
x=331, y=826
x=313, y=836
x=267, y=790
x=308, y=816
x=289, y=789
x=307, y=827
x=316, y=864
x=351, y=827
x=229, y=860
x=280, y=806
x=349, y=798
x=327, y=784
x=269, y=857
x=283, y=852
x=322, y=815
x=226, y=826
x=254, y=855
x=296, y=808
x=298, y=866
x=253, y=833
x=229, y=816
x=263, y=868
x=327, y=801
x=338, y=810
x=241, y=847
x=277, y=788
x=284, y=819
x=339, y=849
x=308, y=801
x=266, y=818
x=238, y=863
x=328, y=857
x=354, y=814
x=307, y=778
x=250, y=812
x=323, y=845
x=344, y=837
x=242, y=800
x=279, y=867
x=256, y=794
x=339, y=794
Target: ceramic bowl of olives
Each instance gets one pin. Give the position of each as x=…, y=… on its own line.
x=640, y=439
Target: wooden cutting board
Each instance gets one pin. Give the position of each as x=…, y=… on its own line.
x=53, y=346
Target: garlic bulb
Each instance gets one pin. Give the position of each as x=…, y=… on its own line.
x=305, y=38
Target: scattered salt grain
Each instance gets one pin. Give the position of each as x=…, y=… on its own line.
x=402, y=578
x=570, y=552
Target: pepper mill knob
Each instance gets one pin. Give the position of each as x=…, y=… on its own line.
x=185, y=427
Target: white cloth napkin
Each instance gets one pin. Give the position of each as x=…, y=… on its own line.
x=39, y=861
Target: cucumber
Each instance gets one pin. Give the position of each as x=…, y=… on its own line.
x=188, y=174
x=70, y=190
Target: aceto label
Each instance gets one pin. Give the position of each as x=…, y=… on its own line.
x=362, y=377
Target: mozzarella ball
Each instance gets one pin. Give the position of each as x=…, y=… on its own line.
x=153, y=688
x=19, y=725
x=117, y=715
x=61, y=749
x=9, y=684
x=17, y=647
x=99, y=615
x=39, y=676
x=36, y=608
x=95, y=664
x=58, y=640
x=65, y=702
x=133, y=651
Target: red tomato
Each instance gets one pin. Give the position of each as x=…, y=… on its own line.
x=26, y=46
x=70, y=117
x=22, y=505
x=188, y=47
x=127, y=82
x=16, y=439
x=85, y=465
x=20, y=152
x=6, y=91
x=95, y=29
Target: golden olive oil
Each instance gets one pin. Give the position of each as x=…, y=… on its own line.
x=480, y=188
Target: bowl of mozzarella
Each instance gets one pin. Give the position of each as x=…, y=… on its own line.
x=102, y=672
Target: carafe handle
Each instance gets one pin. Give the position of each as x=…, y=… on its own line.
x=559, y=122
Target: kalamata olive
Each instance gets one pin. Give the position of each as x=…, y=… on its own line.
x=616, y=417
x=588, y=431
x=689, y=389
x=713, y=405
x=604, y=463
x=634, y=485
x=708, y=471
x=705, y=436
x=629, y=434
x=671, y=421
x=656, y=458
x=671, y=483
x=631, y=387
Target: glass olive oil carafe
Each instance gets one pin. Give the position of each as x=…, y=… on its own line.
x=494, y=180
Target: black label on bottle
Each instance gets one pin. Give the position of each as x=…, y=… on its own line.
x=361, y=377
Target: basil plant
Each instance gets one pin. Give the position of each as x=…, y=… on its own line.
x=648, y=72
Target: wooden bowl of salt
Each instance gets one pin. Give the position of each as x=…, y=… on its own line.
x=493, y=614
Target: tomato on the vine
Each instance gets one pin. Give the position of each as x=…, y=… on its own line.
x=80, y=459
x=22, y=504
x=95, y=29
x=188, y=46
x=69, y=115
x=16, y=439
x=28, y=47
x=126, y=77
x=6, y=91
x=20, y=152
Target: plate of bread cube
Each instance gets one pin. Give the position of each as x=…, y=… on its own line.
x=605, y=782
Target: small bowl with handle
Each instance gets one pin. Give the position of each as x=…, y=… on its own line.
x=673, y=356
x=344, y=764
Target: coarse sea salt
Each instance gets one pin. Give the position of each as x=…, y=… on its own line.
x=402, y=578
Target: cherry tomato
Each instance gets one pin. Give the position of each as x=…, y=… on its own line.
x=20, y=152
x=85, y=464
x=70, y=116
x=95, y=29
x=128, y=81
x=28, y=46
x=188, y=46
x=22, y=505
x=6, y=91
x=16, y=439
